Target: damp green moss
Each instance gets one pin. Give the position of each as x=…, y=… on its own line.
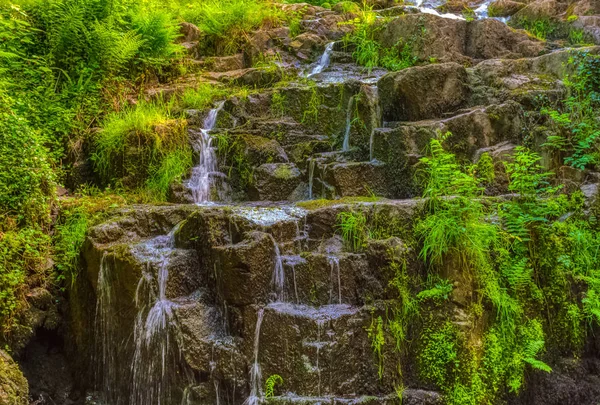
x=322, y=203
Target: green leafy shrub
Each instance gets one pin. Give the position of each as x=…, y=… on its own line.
x=576, y=129
x=26, y=176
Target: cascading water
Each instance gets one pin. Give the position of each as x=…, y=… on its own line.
x=324, y=61
x=375, y=118
x=155, y=356
x=278, y=279
x=106, y=347
x=201, y=180
x=334, y=266
x=346, y=144
x=255, y=372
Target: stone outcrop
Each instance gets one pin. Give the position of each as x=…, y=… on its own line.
x=423, y=92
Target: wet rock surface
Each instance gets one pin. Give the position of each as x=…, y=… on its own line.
x=231, y=291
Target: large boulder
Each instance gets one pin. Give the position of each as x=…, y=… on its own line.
x=423, y=92
x=541, y=9
x=13, y=385
x=488, y=38
x=430, y=36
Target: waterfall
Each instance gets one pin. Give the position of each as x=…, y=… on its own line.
x=154, y=355
x=200, y=181
x=375, y=119
x=278, y=278
x=105, y=346
x=324, y=61
x=334, y=266
x=311, y=174
x=346, y=144
x=255, y=373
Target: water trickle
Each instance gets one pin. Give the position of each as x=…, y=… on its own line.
x=375, y=118
x=334, y=265
x=106, y=347
x=292, y=261
x=324, y=61
x=311, y=174
x=346, y=144
x=278, y=278
x=320, y=324
x=201, y=180
x=255, y=372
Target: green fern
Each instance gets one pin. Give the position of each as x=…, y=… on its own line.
x=270, y=384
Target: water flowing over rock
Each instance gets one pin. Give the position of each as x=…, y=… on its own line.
x=323, y=61
x=201, y=181
x=258, y=280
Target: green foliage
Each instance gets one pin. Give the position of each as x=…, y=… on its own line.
x=438, y=359
x=278, y=104
x=270, y=384
x=576, y=129
x=26, y=177
x=142, y=144
x=311, y=113
x=352, y=226
x=229, y=20
x=172, y=167
x=485, y=169
x=200, y=98
x=23, y=258
x=369, y=53
x=454, y=225
x=541, y=28
x=375, y=332
x=439, y=292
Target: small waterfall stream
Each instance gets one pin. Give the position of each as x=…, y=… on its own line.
x=154, y=352
x=105, y=347
x=324, y=61
x=375, y=118
x=278, y=279
x=334, y=266
x=255, y=372
x=201, y=180
x=346, y=144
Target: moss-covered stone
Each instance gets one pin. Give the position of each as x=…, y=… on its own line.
x=14, y=389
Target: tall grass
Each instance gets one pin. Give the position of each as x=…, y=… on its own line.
x=142, y=145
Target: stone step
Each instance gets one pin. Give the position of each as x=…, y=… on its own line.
x=318, y=351
x=409, y=397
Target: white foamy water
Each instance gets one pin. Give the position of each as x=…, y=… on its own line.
x=255, y=371
x=346, y=144
x=324, y=61
x=201, y=180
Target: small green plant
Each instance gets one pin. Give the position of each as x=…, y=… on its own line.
x=201, y=97
x=439, y=292
x=270, y=384
x=469, y=14
x=278, y=102
x=485, y=169
x=375, y=331
x=353, y=228
x=311, y=113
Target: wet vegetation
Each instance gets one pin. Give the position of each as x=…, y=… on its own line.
x=459, y=253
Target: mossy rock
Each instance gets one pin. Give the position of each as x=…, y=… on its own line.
x=14, y=389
